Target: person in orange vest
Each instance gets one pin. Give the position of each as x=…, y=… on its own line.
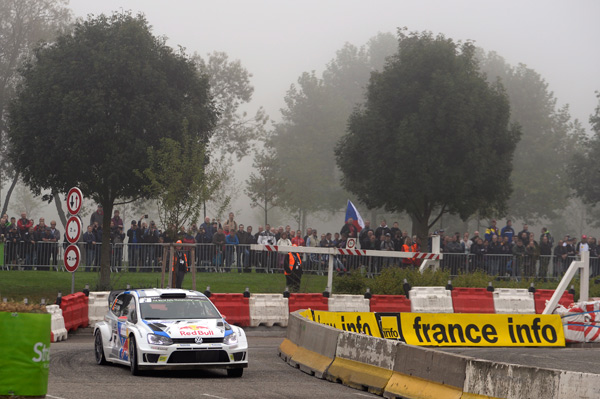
x=292, y=268
x=180, y=259
x=409, y=246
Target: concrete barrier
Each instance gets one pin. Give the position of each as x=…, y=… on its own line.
x=97, y=306
x=317, y=344
x=349, y=303
x=363, y=362
x=57, y=323
x=513, y=301
x=430, y=300
x=268, y=310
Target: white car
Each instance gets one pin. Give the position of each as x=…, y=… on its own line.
x=163, y=329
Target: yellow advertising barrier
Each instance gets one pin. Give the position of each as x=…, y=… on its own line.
x=358, y=322
x=458, y=329
x=449, y=329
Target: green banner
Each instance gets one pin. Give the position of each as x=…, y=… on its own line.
x=25, y=353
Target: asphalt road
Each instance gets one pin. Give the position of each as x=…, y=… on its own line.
x=74, y=375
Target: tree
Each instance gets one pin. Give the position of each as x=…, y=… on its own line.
x=315, y=117
x=26, y=202
x=178, y=180
x=583, y=168
x=23, y=24
x=265, y=185
x=431, y=135
x=96, y=100
x=540, y=187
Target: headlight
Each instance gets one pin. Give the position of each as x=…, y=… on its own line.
x=231, y=339
x=159, y=340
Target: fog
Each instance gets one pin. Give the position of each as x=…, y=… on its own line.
x=278, y=40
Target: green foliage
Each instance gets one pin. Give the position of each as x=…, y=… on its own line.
x=313, y=120
x=430, y=121
x=96, y=100
x=539, y=173
x=266, y=184
x=178, y=180
x=583, y=170
x=353, y=283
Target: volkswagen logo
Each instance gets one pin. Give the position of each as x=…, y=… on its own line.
x=198, y=340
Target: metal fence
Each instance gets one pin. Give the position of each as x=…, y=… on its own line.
x=212, y=258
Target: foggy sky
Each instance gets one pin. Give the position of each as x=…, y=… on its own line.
x=278, y=40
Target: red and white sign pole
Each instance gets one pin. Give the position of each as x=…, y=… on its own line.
x=72, y=255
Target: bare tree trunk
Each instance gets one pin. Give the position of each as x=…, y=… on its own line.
x=9, y=192
x=59, y=208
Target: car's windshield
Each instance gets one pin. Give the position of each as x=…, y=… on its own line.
x=156, y=308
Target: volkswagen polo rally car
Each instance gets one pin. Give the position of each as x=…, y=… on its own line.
x=168, y=329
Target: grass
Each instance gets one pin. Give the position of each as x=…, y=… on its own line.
x=35, y=285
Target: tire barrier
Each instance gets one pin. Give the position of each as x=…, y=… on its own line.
x=396, y=370
x=430, y=300
x=235, y=308
x=541, y=296
x=75, y=311
x=581, y=321
x=348, y=303
x=268, y=310
x=389, y=303
x=57, y=324
x=513, y=301
x=307, y=301
x=97, y=306
x=472, y=300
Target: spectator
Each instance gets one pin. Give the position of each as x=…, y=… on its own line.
x=43, y=251
x=230, y=224
x=560, y=259
x=53, y=239
x=298, y=240
x=349, y=229
x=491, y=231
x=117, y=237
x=231, y=241
x=24, y=224
x=251, y=254
x=525, y=230
x=382, y=230
x=117, y=219
x=243, y=250
x=478, y=250
x=134, y=236
x=582, y=246
x=219, y=242
x=545, y=254
x=466, y=243
x=97, y=216
x=546, y=233
x=29, y=249
x=519, y=255
x=363, y=237
x=89, y=240
x=508, y=231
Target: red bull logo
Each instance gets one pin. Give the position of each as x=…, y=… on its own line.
x=194, y=330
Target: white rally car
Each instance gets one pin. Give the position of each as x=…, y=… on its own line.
x=168, y=329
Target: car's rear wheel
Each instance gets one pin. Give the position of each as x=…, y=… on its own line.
x=235, y=373
x=99, y=348
x=133, y=358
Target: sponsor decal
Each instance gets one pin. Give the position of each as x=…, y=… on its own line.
x=162, y=359
x=358, y=322
x=389, y=325
x=42, y=353
x=195, y=330
x=307, y=314
x=429, y=329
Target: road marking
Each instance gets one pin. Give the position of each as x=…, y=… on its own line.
x=54, y=397
x=210, y=396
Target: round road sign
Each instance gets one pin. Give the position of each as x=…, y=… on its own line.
x=74, y=200
x=351, y=243
x=73, y=229
x=72, y=258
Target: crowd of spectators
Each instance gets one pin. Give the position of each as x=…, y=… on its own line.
x=223, y=245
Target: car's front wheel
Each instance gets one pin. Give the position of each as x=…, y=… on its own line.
x=99, y=348
x=133, y=358
x=235, y=373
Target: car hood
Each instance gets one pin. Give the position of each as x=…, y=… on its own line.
x=189, y=328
